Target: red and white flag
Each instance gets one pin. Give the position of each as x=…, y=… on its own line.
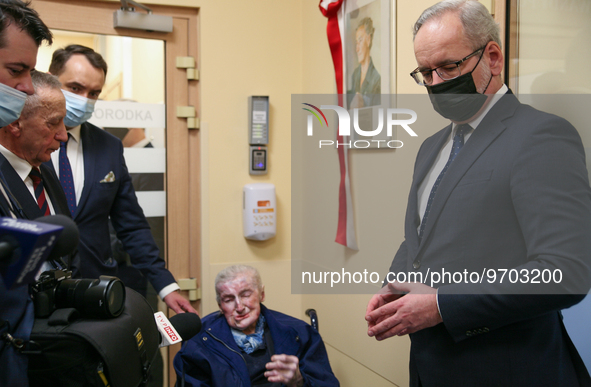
x=334, y=11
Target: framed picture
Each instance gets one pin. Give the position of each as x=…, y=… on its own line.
x=367, y=64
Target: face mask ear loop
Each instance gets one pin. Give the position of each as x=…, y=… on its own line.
x=477, y=63
x=479, y=58
x=489, y=80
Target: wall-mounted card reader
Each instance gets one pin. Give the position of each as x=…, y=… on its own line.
x=258, y=120
x=258, y=160
x=258, y=134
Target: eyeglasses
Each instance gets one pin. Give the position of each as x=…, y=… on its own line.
x=445, y=72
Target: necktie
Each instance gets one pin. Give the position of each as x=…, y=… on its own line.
x=458, y=143
x=66, y=178
x=35, y=175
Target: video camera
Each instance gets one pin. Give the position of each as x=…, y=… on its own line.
x=95, y=298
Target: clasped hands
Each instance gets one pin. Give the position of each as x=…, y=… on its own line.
x=284, y=369
x=401, y=308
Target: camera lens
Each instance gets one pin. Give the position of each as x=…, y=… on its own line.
x=99, y=298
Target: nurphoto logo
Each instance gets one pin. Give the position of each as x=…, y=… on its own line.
x=344, y=128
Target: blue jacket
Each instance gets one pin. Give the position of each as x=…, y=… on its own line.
x=213, y=359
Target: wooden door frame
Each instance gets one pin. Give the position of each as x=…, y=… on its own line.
x=183, y=183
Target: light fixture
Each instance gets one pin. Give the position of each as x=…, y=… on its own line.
x=126, y=17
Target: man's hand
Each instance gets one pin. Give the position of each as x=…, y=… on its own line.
x=389, y=314
x=178, y=303
x=284, y=369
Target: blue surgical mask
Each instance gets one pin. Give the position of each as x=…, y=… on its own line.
x=12, y=102
x=78, y=109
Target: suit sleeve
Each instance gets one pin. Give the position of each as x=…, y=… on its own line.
x=552, y=201
x=398, y=264
x=134, y=232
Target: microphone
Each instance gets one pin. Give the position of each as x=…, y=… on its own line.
x=182, y=326
x=25, y=245
x=67, y=242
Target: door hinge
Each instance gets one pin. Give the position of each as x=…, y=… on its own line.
x=188, y=112
x=188, y=62
x=190, y=284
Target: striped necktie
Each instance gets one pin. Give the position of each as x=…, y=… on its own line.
x=458, y=143
x=35, y=175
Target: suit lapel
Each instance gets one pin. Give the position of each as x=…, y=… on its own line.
x=489, y=129
x=19, y=190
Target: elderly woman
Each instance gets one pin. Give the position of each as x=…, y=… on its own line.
x=246, y=344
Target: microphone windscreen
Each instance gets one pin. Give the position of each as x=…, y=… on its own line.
x=186, y=324
x=67, y=241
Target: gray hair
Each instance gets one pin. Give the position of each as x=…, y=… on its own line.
x=231, y=272
x=40, y=81
x=479, y=25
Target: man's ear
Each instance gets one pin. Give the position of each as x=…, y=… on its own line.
x=15, y=128
x=495, y=55
x=263, y=293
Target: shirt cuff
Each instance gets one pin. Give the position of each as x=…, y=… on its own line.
x=168, y=289
x=437, y=299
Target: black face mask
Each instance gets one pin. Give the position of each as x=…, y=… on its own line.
x=457, y=99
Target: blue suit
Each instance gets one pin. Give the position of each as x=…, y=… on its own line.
x=103, y=154
x=516, y=196
x=212, y=358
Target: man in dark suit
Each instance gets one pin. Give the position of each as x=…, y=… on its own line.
x=32, y=191
x=510, y=191
x=28, y=142
x=21, y=34
x=101, y=187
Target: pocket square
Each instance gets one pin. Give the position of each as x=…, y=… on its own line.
x=109, y=178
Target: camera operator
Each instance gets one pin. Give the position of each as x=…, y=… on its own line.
x=21, y=33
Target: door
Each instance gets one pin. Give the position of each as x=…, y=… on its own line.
x=181, y=220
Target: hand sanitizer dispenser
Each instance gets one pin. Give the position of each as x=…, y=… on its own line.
x=259, y=211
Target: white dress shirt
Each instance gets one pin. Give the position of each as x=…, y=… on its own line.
x=23, y=168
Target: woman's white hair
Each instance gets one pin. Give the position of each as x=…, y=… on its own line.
x=231, y=272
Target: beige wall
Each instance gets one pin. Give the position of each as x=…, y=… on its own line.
x=247, y=48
